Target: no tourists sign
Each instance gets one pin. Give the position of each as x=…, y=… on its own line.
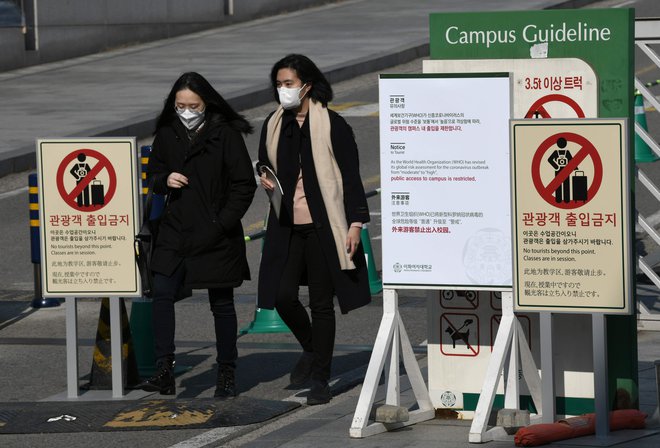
x=570, y=207
x=88, y=210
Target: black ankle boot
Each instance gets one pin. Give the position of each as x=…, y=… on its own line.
x=319, y=393
x=302, y=370
x=163, y=380
x=225, y=384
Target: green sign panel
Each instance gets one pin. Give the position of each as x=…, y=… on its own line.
x=601, y=37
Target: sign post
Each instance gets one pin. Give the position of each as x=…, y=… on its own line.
x=564, y=64
x=88, y=213
x=572, y=249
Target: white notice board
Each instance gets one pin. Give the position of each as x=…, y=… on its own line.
x=445, y=181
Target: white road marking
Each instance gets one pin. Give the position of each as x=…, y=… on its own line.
x=9, y=194
x=207, y=437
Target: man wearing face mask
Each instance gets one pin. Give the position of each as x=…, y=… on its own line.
x=316, y=239
x=200, y=161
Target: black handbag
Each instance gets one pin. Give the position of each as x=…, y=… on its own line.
x=145, y=242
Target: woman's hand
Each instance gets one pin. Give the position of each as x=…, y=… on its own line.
x=177, y=180
x=266, y=183
x=352, y=240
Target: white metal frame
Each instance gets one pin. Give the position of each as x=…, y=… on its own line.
x=510, y=342
x=391, y=342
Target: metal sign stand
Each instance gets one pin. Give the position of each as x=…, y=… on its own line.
x=510, y=340
x=548, y=409
x=116, y=344
x=391, y=341
x=601, y=395
x=72, y=348
x=542, y=391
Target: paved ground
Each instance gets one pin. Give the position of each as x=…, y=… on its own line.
x=34, y=369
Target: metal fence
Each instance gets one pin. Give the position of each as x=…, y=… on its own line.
x=647, y=37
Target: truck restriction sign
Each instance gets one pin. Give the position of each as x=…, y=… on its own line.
x=538, y=110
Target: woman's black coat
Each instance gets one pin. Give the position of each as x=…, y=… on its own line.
x=201, y=225
x=295, y=150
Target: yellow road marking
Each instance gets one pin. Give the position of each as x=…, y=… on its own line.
x=338, y=107
x=158, y=413
x=646, y=69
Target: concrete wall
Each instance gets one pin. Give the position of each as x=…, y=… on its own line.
x=71, y=28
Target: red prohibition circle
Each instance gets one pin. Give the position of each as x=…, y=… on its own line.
x=538, y=105
x=587, y=149
x=70, y=196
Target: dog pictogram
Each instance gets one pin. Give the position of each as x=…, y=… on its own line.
x=455, y=333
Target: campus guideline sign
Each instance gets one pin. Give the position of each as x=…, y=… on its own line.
x=550, y=52
x=444, y=153
x=570, y=205
x=88, y=212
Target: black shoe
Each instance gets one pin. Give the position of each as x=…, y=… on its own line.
x=225, y=384
x=319, y=394
x=163, y=380
x=302, y=370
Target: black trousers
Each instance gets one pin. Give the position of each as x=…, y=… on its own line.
x=318, y=335
x=222, y=307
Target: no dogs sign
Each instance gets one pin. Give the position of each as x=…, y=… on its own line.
x=88, y=213
x=570, y=215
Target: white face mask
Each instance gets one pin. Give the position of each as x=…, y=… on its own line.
x=190, y=118
x=290, y=97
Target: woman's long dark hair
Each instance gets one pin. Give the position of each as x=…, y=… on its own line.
x=308, y=72
x=214, y=102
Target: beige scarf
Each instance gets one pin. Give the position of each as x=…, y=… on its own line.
x=327, y=171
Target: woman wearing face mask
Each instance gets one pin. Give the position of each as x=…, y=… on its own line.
x=316, y=240
x=200, y=160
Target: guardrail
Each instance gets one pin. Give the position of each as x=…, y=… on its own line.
x=647, y=33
